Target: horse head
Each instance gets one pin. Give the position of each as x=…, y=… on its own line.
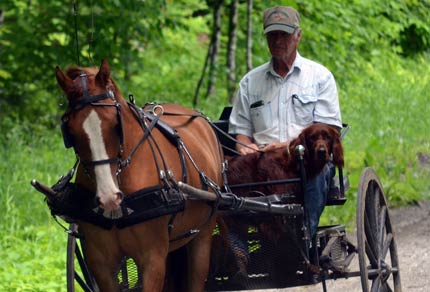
x=91, y=125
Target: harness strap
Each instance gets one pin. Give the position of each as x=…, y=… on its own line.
x=87, y=98
x=147, y=131
x=100, y=162
x=171, y=134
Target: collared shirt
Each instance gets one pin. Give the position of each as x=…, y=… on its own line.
x=270, y=108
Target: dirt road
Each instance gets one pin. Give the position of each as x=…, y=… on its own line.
x=412, y=231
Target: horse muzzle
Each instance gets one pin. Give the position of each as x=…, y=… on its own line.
x=109, y=203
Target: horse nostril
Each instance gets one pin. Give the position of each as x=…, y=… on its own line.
x=97, y=201
x=120, y=195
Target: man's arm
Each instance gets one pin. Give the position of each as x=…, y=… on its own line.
x=327, y=109
x=250, y=147
x=276, y=145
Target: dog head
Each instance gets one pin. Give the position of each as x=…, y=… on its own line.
x=320, y=142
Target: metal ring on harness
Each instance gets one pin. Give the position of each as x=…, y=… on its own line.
x=157, y=110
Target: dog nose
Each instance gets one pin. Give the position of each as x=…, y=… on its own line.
x=321, y=153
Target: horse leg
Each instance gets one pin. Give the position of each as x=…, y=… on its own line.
x=199, y=250
x=106, y=276
x=104, y=267
x=154, y=269
x=176, y=272
x=102, y=255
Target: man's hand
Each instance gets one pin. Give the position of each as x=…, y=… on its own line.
x=276, y=145
x=249, y=148
x=246, y=145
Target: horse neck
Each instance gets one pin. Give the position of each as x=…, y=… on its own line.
x=142, y=171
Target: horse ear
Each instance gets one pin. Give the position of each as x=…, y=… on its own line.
x=104, y=73
x=64, y=81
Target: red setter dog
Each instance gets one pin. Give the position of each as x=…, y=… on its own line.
x=322, y=144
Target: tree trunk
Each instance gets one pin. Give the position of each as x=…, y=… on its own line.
x=202, y=77
x=215, y=45
x=249, y=37
x=231, y=50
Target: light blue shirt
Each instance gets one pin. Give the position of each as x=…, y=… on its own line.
x=270, y=108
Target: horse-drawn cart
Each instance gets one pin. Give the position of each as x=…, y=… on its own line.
x=273, y=249
x=286, y=261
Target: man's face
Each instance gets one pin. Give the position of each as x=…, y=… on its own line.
x=282, y=44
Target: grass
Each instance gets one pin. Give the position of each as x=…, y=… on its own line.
x=388, y=115
x=32, y=245
x=386, y=106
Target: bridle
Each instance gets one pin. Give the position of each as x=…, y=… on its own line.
x=92, y=100
x=141, y=117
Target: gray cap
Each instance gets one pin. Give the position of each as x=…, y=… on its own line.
x=283, y=18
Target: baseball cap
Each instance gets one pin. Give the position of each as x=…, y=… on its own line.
x=283, y=18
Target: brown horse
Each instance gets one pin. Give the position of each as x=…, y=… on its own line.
x=122, y=152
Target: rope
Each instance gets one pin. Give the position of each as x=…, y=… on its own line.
x=91, y=38
x=75, y=9
x=91, y=35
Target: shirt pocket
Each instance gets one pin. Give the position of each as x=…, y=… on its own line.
x=303, y=107
x=261, y=117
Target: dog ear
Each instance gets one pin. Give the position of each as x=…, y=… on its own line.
x=300, y=140
x=337, y=151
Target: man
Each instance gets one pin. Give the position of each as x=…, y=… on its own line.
x=278, y=99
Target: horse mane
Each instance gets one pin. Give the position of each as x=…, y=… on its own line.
x=75, y=90
x=74, y=72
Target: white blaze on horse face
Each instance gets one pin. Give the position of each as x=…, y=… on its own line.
x=107, y=190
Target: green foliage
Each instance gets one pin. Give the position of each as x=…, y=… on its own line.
x=389, y=130
x=38, y=35
x=378, y=51
x=388, y=109
x=157, y=48
x=32, y=246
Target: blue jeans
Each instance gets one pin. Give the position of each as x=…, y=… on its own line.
x=315, y=196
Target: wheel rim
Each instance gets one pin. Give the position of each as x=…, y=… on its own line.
x=79, y=275
x=378, y=260
x=77, y=270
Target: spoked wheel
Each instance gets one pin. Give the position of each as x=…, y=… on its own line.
x=377, y=252
x=78, y=274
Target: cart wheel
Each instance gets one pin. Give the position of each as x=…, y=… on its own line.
x=77, y=270
x=377, y=252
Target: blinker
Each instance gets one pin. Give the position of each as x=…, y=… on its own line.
x=67, y=137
